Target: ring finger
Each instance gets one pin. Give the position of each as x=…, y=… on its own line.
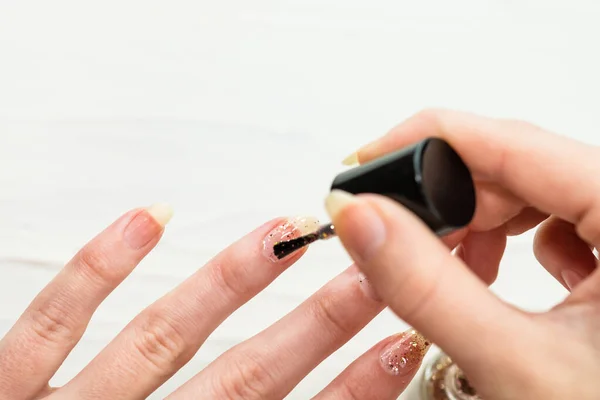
x=563, y=253
x=383, y=372
x=271, y=364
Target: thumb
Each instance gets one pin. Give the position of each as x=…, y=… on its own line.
x=421, y=281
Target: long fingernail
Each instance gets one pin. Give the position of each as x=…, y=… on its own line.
x=290, y=229
x=161, y=212
x=352, y=159
x=367, y=288
x=367, y=228
x=146, y=225
x=571, y=278
x=404, y=354
x=336, y=201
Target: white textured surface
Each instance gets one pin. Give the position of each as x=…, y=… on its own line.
x=210, y=105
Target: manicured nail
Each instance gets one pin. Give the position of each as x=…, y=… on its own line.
x=362, y=230
x=352, y=159
x=571, y=278
x=367, y=288
x=147, y=224
x=289, y=229
x=404, y=354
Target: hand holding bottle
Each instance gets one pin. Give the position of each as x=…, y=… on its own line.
x=524, y=177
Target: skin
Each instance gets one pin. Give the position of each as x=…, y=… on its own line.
x=525, y=177
x=163, y=337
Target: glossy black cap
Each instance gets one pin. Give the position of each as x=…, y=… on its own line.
x=429, y=178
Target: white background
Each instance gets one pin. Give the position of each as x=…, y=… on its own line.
x=239, y=111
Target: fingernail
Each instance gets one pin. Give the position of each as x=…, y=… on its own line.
x=352, y=159
x=147, y=224
x=404, y=354
x=367, y=288
x=571, y=278
x=367, y=228
x=290, y=229
x=337, y=200
x=161, y=212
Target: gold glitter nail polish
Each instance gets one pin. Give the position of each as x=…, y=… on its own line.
x=444, y=380
x=289, y=229
x=404, y=354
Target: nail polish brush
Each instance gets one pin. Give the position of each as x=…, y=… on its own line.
x=429, y=178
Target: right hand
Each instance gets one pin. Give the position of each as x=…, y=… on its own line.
x=524, y=176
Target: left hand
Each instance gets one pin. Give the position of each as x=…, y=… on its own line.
x=164, y=337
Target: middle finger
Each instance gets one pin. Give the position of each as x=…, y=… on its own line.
x=167, y=334
x=271, y=364
x=562, y=252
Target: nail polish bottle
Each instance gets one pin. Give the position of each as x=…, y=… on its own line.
x=443, y=380
x=429, y=178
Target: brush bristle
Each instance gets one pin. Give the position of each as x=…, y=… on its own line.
x=284, y=249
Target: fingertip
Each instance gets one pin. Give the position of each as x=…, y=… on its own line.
x=338, y=200
x=145, y=226
x=482, y=252
x=358, y=224
x=382, y=372
x=285, y=229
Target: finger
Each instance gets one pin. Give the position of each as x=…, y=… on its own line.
x=526, y=220
x=415, y=274
x=54, y=322
x=508, y=211
x=529, y=162
x=383, y=372
x=564, y=255
x=270, y=365
x=495, y=207
x=168, y=333
x=482, y=252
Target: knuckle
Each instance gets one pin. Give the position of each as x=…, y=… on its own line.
x=51, y=323
x=429, y=115
x=588, y=226
x=249, y=378
x=94, y=261
x=350, y=391
x=229, y=280
x=159, y=343
x=327, y=312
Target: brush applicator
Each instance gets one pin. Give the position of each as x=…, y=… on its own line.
x=429, y=178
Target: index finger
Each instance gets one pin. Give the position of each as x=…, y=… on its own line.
x=555, y=174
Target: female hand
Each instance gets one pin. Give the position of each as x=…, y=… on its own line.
x=524, y=176
x=168, y=333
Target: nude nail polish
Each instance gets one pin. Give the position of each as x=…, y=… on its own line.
x=287, y=230
x=444, y=380
x=404, y=354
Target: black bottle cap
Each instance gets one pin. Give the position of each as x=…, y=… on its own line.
x=429, y=178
